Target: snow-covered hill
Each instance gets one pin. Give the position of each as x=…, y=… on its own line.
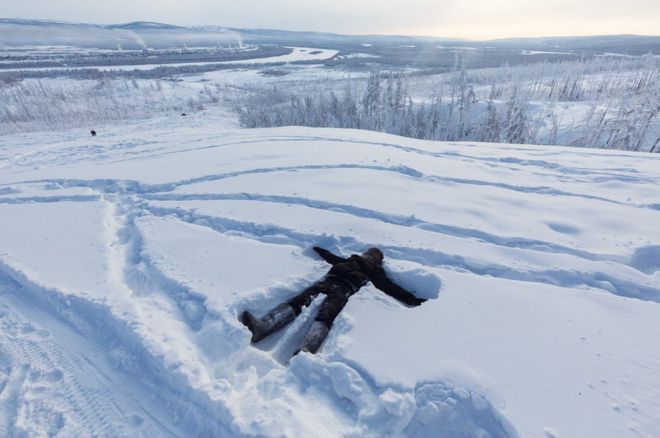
x=131, y=36
x=125, y=259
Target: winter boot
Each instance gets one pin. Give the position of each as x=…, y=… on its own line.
x=315, y=337
x=272, y=321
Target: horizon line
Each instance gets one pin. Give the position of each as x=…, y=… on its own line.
x=59, y=21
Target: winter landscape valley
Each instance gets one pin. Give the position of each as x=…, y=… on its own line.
x=156, y=181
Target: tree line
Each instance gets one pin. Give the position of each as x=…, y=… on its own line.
x=622, y=109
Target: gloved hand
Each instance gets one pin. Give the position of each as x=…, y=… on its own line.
x=418, y=301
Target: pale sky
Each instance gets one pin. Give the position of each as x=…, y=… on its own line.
x=475, y=19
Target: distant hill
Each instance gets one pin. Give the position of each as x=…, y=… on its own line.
x=144, y=34
x=130, y=36
x=625, y=44
x=143, y=25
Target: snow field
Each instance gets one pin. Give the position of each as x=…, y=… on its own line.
x=141, y=246
x=297, y=54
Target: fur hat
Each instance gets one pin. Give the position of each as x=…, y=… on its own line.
x=374, y=255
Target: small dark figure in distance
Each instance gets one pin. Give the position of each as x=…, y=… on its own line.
x=183, y=114
x=343, y=280
x=93, y=133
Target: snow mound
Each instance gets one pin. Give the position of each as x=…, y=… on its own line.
x=126, y=258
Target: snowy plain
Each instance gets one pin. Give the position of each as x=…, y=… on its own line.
x=125, y=259
x=298, y=54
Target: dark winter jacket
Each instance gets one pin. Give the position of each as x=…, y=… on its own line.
x=356, y=271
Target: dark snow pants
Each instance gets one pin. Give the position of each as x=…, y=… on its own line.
x=337, y=294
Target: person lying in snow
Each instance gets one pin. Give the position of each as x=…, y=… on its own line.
x=343, y=280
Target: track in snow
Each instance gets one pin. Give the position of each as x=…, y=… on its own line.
x=55, y=382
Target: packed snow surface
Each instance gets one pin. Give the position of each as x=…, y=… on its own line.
x=125, y=259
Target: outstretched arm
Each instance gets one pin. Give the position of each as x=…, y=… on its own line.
x=380, y=280
x=328, y=256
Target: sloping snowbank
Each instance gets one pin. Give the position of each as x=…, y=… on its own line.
x=140, y=247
